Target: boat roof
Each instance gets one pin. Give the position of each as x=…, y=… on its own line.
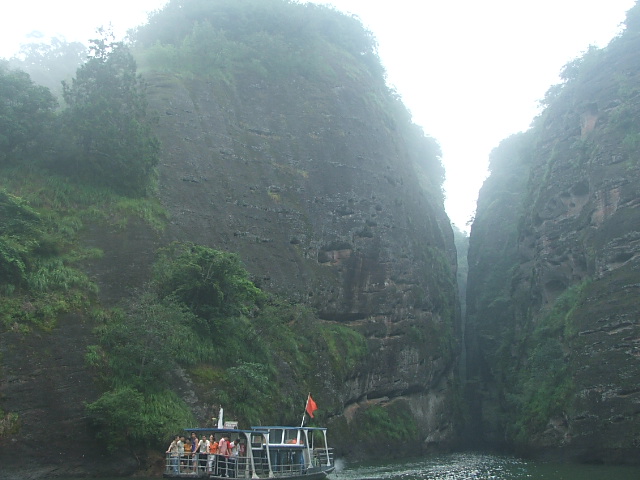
x=253, y=429
x=218, y=430
x=281, y=427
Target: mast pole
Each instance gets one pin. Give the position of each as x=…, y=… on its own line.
x=305, y=410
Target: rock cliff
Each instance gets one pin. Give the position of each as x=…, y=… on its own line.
x=554, y=269
x=324, y=204
x=331, y=198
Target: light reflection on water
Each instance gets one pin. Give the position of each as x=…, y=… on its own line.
x=473, y=466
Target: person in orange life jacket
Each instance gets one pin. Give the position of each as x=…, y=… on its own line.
x=213, y=451
x=187, y=453
x=213, y=444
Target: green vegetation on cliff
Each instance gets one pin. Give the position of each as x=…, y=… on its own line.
x=112, y=142
x=60, y=172
x=544, y=382
x=26, y=116
x=265, y=38
x=203, y=314
x=102, y=137
x=41, y=258
x=52, y=183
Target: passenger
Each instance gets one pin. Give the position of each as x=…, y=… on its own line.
x=187, y=458
x=223, y=455
x=194, y=451
x=213, y=444
x=213, y=450
x=173, y=454
x=188, y=452
x=203, y=452
x=239, y=448
x=180, y=450
x=234, y=459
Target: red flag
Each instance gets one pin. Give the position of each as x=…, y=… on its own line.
x=311, y=406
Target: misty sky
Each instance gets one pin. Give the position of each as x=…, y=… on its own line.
x=470, y=71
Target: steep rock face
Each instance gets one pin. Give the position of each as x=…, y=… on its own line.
x=324, y=203
x=492, y=315
x=45, y=383
x=322, y=190
x=554, y=310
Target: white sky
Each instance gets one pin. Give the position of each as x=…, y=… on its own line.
x=470, y=71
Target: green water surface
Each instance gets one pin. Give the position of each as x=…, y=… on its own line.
x=473, y=466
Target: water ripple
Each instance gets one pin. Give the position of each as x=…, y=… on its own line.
x=450, y=467
x=474, y=466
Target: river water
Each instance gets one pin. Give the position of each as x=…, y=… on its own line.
x=470, y=466
x=474, y=466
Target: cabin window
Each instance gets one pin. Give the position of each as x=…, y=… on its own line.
x=257, y=440
x=275, y=436
x=291, y=436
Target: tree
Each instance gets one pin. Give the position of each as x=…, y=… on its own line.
x=126, y=419
x=211, y=283
x=107, y=119
x=19, y=232
x=49, y=64
x=137, y=354
x=26, y=113
x=146, y=342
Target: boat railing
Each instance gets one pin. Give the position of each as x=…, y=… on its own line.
x=322, y=457
x=284, y=462
x=206, y=465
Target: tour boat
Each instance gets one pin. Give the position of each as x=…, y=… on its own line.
x=269, y=452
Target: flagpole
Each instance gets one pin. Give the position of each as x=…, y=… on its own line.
x=304, y=412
